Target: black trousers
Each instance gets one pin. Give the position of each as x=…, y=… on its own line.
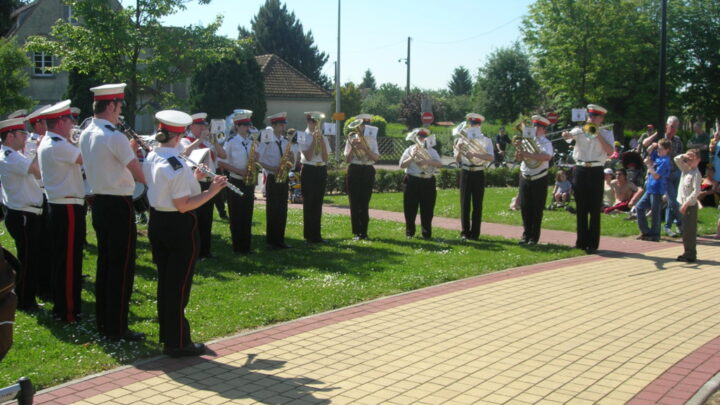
x=588, y=187
x=205, y=217
x=472, y=191
x=277, y=206
x=314, y=180
x=45, y=275
x=113, y=218
x=533, y=194
x=420, y=193
x=222, y=196
x=174, y=239
x=26, y=229
x=360, y=181
x=67, y=229
x=241, y=215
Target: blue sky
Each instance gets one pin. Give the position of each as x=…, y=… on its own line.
x=445, y=34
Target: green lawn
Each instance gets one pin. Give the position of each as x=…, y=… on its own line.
x=232, y=294
x=495, y=209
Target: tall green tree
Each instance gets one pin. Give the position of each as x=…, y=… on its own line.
x=77, y=91
x=695, y=56
x=460, y=84
x=275, y=30
x=350, y=100
x=600, y=51
x=233, y=82
x=130, y=45
x=505, y=87
x=411, y=109
x=13, y=76
x=368, y=81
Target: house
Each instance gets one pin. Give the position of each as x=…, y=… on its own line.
x=286, y=89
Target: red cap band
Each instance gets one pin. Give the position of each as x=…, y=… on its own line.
x=243, y=121
x=595, y=111
x=423, y=132
x=478, y=120
x=172, y=128
x=539, y=123
x=57, y=114
x=33, y=120
x=279, y=120
x=13, y=128
x=198, y=120
x=118, y=96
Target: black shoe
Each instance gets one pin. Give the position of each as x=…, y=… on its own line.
x=683, y=258
x=427, y=237
x=282, y=245
x=363, y=237
x=356, y=237
x=523, y=241
x=590, y=251
x=463, y=238
x=193, y=349
x=223, y=215
x=531, y=242
x=130, y=336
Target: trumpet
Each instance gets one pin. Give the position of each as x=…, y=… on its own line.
x=210, y=173
x=355, y=131
x=592, y=130
x=468, y=146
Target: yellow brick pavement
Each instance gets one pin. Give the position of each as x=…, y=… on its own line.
x=592, y=333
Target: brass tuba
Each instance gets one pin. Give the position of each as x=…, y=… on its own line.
x=468, y=145
x=357, y=133
x=528, y=145
x=318, y=117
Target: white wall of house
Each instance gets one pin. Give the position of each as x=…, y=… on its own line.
x=296, y=108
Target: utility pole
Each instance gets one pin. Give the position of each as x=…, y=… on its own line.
x=663, y=70
x=407, y=61
x=337, y=92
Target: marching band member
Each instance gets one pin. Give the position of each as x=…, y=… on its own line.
x=315, y=149
x=590, y=153
x=361, y=175
x=111, y=169
x=23, y=201
x=472, y=178
x=60, y=163
x=533, y=183
x=198, y=138
x=175, y=195
x=420, y=161
x=237, y=150
x=272, y=151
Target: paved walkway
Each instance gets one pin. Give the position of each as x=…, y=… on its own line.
x=629, y=325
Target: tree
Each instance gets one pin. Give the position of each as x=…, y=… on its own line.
x=13, y=76
x=6, y=9
x=350, y=100
x=368, y=81
x=77, y=91
x=275, y=30
x=600, y=51
x=461, y=83
x=694, y=43
x=379, y=104
x=392, y=92
x=233, y=82
x=505, y=87
x=130, y=45
x=410, y=109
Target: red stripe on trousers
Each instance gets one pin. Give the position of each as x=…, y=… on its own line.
x=70, y=265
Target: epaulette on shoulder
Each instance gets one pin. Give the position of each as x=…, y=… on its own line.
x=56, y=138
x=110, y=127
x=8, y=152
x=175, y=163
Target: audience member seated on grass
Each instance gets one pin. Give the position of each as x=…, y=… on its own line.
x=709, y=189
x=608, y=195
x=624, y=191
x=562, y=190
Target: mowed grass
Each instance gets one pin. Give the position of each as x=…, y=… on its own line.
x=231, y=293
x=496, y=204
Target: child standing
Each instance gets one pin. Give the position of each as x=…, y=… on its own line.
x=658, y=164
x=688, y=191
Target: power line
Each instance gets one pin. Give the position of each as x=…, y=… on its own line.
x=474, y=36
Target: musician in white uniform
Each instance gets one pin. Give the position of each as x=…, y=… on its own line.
x=237, y=151
x=420, y=161
x=272, y=150
x=60, y=163
x=361, y=175
x=112, y=168
x=472, y=177
x=23, y=201
x=590, y=153
x=197, y=138
x=175, y=195
x=314, y=148
x=533, y=182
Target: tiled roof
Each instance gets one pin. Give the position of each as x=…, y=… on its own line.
x=284, y=81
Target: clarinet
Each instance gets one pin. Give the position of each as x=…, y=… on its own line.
x=208, y=172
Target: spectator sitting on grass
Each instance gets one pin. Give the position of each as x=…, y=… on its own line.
x=563, y=188
x=623, y=190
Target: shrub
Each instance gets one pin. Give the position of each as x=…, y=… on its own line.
x=448, y=178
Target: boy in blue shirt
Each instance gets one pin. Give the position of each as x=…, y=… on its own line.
x=658, y=164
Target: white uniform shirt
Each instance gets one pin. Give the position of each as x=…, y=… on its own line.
x=370, y=135
x=481, y=139
x=271, y=152
x=588, y=149
x=414, y=169
x=60, y=172
x=106, y=153
x=237, y=150
x=547, y=147
x=168, y=177
x=20, y=191
x=304, y=140
x=210, y=160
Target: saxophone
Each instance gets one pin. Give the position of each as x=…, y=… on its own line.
x=252, y=167
x=285, y=163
